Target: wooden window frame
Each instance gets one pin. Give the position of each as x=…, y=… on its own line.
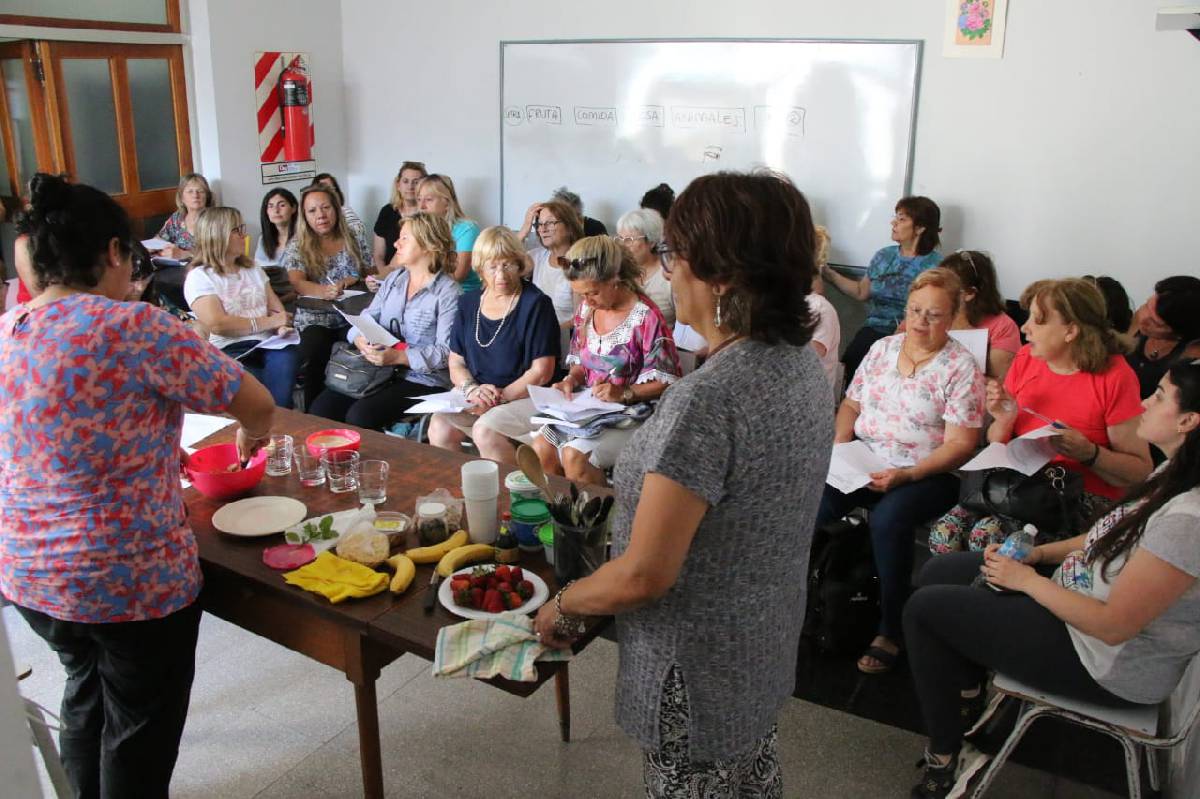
x=27, y=52
x=172, y=25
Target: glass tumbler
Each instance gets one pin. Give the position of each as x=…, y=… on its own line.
x=341, y=467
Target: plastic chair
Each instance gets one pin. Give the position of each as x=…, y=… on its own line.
x=1137, y=728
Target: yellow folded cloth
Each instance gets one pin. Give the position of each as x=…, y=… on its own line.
x=337, y=579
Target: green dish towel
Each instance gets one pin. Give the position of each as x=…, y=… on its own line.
x=504, y=646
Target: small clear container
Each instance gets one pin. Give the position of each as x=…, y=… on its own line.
x=394, y=525
x=432, y=526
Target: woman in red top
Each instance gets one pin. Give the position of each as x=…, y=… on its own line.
x=1072, y=371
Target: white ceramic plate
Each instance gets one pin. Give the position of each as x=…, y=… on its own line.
x=540, y=594
x=258, y=516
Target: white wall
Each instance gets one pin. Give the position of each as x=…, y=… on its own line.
x=225, y=36
x=1074, y=153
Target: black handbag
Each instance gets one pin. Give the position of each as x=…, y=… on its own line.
x=349, y=372
x=1049, y=499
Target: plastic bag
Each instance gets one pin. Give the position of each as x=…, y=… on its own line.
x=454, y=506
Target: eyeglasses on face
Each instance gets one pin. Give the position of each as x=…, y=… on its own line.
x=629, y=239
x=507, y=267
x=240, y=229
x=547, y=225
x=926, y=315
x=666, y=256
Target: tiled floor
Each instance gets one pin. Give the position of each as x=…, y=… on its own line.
x=268, y=723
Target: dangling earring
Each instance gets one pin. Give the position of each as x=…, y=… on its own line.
x=717, y=321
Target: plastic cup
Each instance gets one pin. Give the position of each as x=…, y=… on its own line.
x=481, y=519
x=480, y=479
x=372, y=482
x=310, y=467
x=342, y=469
x=279, y=455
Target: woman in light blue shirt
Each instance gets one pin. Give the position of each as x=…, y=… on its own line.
x=436, y=195
x=416, y=304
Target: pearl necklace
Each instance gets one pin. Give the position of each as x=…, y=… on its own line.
x=499, y=327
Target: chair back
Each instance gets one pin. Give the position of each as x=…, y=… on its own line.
x=1179, y=714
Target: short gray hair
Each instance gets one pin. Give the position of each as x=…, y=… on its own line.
x=569, y=197
x=601, y=259
x=644, y=221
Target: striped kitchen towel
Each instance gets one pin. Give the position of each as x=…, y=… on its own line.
x=503, y=646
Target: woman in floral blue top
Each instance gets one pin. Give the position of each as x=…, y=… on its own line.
x=322, y=261
x=884, y=288
x=191, y=197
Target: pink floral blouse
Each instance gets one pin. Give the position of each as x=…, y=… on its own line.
x=903, y=419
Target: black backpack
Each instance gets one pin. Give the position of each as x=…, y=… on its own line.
x=843, y=589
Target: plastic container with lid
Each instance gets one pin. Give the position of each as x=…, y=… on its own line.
x=546, y=536
x=520, y=487
x=527, y=516
x=432, y=527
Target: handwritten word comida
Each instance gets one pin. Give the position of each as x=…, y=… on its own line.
x=683, y=116
x=545, y=114
x=585, y=115
x=513, y=115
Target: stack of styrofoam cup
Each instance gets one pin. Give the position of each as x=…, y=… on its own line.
x=481, y=490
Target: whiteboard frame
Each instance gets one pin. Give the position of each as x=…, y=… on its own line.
x=916, y=101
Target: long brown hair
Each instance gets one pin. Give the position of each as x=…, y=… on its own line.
x=308, y=243
x=978, y=275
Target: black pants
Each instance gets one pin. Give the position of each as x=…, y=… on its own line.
x=377, y=412
x=857, y=349
x=316, y=342
x=125, y=701
x=955, y=632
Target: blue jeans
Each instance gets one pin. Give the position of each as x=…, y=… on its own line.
x=893, y=517
x=275, y=369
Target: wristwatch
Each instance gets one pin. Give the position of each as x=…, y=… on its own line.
x=627, y=395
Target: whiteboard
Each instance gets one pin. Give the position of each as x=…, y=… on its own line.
x=611, y=119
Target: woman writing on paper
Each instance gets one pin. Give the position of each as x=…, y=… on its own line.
x=504, y=340
x=234, y=302
x=1071, y=371
x=324, y=260
x=917, y=403
x=417, y=305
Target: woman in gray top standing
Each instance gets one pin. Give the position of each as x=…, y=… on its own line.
x=716, y=495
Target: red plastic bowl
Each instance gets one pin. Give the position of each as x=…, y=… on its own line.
x=315, y=445
x=205, y=470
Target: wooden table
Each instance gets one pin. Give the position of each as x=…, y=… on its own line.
x=361, y=636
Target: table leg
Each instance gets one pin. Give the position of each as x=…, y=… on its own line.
x=562, y=695
x=368, y=740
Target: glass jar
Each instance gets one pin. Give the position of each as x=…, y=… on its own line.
x=432, y=527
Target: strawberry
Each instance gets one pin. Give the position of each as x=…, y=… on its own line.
x=459, y=583
x=495, y=604
x=505, y=587
x=511, y=600
x=476, y=598
x=515, y=575
x=490, y=597
x=462, y=597
x=501, y=572
x=525, y=589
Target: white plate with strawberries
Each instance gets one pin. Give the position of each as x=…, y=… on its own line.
x=473, y=592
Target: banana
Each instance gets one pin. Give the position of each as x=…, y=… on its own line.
x=405, y=571
x=434, y=553
x=457, y=558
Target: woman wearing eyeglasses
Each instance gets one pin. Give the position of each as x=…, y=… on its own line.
x=558, y=226
x=917, y=402
x=621, y=349
x=233, y=299
x=504, y=340
x=417, y=304
x=915, y=229
x=640, y=232
x=1071, y=371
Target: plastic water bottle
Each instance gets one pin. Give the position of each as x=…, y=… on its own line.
x=1017, y=546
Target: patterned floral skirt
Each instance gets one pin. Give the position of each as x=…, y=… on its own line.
x=670, y=774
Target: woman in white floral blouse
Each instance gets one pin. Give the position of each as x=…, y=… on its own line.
x=917, y=402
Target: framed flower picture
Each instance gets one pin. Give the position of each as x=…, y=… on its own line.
x=975, y=28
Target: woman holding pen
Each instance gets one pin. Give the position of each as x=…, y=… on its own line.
x=322, y=261
x=416, y=304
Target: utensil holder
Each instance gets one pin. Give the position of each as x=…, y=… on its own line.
x=578, y=550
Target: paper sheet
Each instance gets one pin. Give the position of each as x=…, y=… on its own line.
x=688, y=339
x=198, y=426
x=275, y=342
x=1026, y=453
x=370, y=329
x=851, y=465
x=345, y=295
x=551, y=401
x=443, y=402
x=155, y=244
x=976, y=341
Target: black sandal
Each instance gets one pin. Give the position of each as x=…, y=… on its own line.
x=887, y=660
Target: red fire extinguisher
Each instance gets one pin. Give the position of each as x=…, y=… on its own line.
x=294, y=97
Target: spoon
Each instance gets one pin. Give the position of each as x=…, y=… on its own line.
x=529, y=463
